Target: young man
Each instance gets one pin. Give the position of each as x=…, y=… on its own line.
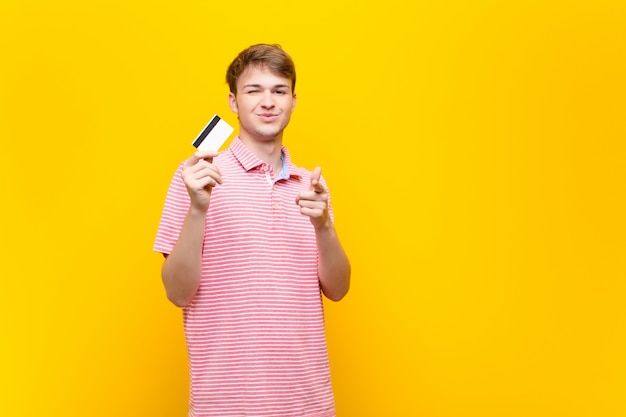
x=249, y=243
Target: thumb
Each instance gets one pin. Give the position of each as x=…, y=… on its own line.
x=316, y=184
x=199, y=155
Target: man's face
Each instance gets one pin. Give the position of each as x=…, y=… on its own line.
x=264, y=103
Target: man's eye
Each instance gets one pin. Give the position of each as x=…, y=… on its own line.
x=280, y=91
x=253, y=91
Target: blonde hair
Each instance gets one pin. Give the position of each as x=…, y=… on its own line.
x=270, y=56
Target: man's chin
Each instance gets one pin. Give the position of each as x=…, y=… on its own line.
x=267, y=134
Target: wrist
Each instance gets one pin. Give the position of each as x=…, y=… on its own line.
x=199, y=212
x=324, y=226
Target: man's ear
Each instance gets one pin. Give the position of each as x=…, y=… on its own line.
x=293, y=105
x=232, y=102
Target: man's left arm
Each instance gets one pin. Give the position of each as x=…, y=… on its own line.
x=334, y=267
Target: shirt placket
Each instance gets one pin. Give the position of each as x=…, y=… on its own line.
x=274, y=198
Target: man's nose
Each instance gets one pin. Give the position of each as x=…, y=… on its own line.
x=268, y=99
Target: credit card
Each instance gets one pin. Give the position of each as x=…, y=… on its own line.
x=213, y=135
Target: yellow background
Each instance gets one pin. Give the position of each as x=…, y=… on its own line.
x=475, y=153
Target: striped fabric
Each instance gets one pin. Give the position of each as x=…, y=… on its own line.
x=255, y=329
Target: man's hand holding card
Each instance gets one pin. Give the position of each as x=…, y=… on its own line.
x=199, y=173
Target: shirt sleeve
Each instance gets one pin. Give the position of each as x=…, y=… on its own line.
x=175, y=210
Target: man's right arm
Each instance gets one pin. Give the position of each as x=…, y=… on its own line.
x=182, y=269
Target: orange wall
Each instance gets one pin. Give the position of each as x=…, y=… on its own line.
x=476, y=156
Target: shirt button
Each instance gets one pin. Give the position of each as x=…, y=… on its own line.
x=264, y=167
x=275, y=206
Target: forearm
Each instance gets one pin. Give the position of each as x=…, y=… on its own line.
x=182, y=269
x=334, y=267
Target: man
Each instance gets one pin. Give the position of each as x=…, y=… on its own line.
x=249, y=243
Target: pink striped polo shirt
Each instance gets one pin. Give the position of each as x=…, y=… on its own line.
x=255, y=329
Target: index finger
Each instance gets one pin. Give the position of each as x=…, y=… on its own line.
x=316, y=184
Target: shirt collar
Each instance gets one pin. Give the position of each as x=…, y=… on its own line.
x=250, y=161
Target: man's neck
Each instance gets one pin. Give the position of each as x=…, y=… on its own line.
x=267, y=151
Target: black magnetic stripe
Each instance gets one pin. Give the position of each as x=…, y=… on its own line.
x=206, y=131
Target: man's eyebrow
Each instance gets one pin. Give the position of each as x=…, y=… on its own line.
x=259, y=86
